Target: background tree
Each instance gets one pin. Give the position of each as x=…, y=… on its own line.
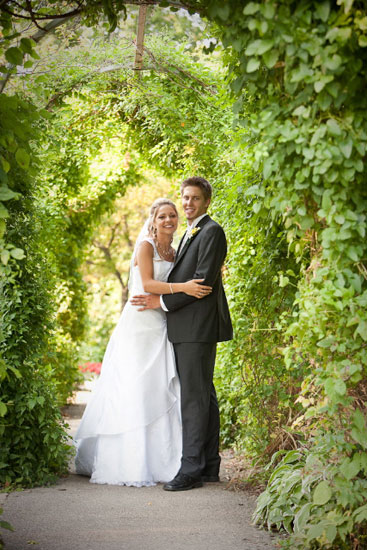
x=107, y=264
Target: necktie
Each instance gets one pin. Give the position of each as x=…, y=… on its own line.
x=186, y=236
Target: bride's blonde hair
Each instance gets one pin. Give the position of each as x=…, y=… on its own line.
x=154, y=211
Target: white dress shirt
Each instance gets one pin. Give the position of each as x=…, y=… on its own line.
x=187, y=234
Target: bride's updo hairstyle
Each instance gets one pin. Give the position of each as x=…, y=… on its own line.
x=154, y=211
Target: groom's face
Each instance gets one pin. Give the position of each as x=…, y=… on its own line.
x=194, y=203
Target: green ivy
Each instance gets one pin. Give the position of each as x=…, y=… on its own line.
x=33, y=439
x=297, y=70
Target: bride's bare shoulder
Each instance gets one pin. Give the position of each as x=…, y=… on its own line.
x=145, y=250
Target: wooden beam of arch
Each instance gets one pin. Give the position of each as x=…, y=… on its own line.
x=140, y=38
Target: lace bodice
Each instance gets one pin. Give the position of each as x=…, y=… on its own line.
x=161, y=270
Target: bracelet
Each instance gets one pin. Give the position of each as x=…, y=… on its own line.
x=170, y=285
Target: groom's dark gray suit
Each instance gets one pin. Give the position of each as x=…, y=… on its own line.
x=194, y=327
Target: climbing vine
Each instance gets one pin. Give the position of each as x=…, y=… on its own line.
x=303, y=65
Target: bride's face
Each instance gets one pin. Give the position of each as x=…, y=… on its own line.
x=166, y=220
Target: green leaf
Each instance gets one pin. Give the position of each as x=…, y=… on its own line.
x=17, y=253
x=308, y=153
x=5, y=165
x=315, y=531
x=334, y=89
x=3, y=175
x=14, y=56
x=359, y=420
x=220, y=10
x=253, y=190
x=253, y=65
x=22, y=158
x=333, y=63
x=6, y=525
x=3, y=211
x=268, y=10
x=301, y=72
x=362, y=23
x=237, y=84
x=340, y=34
x=330, y=532
x=322, y=494
x=251, y=8
x=268, y=167
x=26, y=45
x=346, y=147
x=352, y=254
x=333, y=127
x=306, y=222
x=326, y=342
x=363, y=457
x=362, y=41
x=320, y=84
x=329, y=387
x=283, y=281
x=326, y=200
x=360, y=514
x=270, y=58
x=322, y=10
x=31, y=403
x=350, y=468
x=259, y=47
x=360, y=437
x=301, y=517
x=3, y=409
x=265, y=46
x=6, y=193
x=340, y=387
x=5, y=255
x=362, y=330
x=15, y=371
x=256, y=207
x=324, y=100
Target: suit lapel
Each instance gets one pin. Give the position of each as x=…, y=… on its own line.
x=182, y=250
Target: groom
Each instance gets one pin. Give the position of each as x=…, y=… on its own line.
x=194, y=327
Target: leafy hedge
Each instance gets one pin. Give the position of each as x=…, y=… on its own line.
x=33, y=440
x=255, y=392
x=303, y=64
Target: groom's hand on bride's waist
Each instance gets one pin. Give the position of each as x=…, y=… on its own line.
x=146, y=301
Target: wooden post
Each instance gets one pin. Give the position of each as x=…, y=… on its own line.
x=140, y=39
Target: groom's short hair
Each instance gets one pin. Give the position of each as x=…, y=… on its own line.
x=197, y=181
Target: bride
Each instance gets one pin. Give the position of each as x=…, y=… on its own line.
x=130, y=433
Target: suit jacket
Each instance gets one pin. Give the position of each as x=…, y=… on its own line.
x=207, y=319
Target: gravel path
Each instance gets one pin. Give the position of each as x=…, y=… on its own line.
x=77, y=515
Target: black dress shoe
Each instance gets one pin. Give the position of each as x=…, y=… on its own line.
x=209, y=479
x=183, y=482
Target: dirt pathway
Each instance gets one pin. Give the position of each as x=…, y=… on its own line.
x=77, y=515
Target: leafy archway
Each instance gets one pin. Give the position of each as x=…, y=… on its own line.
x=296, y=173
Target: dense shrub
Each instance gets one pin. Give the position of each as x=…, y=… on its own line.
x=303, y=67
x=33, y=440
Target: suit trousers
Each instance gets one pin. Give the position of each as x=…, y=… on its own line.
x=199, y=406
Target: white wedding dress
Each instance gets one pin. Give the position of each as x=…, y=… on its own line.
x=130, y=433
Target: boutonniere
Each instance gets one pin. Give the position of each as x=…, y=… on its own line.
x=193, y=232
